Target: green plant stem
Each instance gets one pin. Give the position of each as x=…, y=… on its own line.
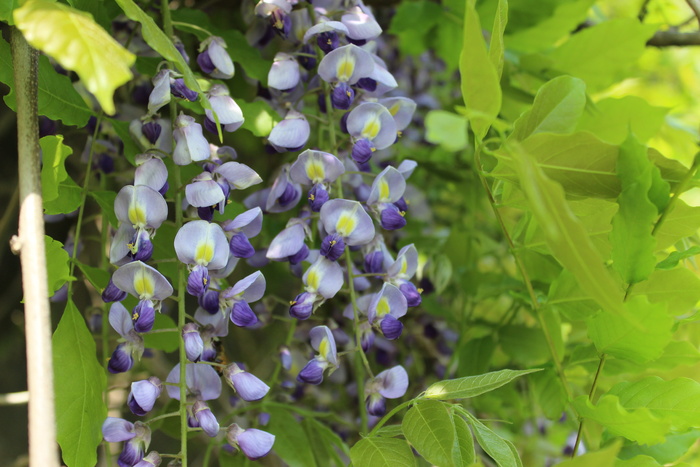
x=104, y=237
x=165, y=415
x=388, y=416
x=590, y=397
x=523, y=272
x=680, y=188
x=83, y=199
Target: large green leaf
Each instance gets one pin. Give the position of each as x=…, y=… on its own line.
x=447, y=129
x=57, y=98
x=99, y=278
x=523, y=344
x=326, y=442
x=156, y=38
x=565, y=235
x=496, y=46
x=550, y=393
x=631, y=238
x=292, y=444
x=682, y=221
x=677, y=400
x=53, y=169
x=668, y=452
x=6, y=9
x=471, y=386
x=77, y=43
x=496, y=447
x=639, y=425
x=464, y=440
x=604, y=53
x=481, y=89
x=641, y=340
x=613, y=119
x=79, y=381
x=382, y=452
x=678, y=289
x=429, y=428
x=676, y=257
x=605, y=457
x=557, y=108
x=57, y=264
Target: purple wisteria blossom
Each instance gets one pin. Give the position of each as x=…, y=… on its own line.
x=291, y=134
x=323, y=342
x=149, y=286
x=202, y=246
x=131, y=348
x=389, y=384
x=384, y=196
x=249, y=387
x=143, y=395
x=241, y=229
x=252, y=442
x=402, y=270
x=236, y=299
x=385, y=309
x=214, y=60
x=203, y=384
x=190, y=143
x=284, y=74
x=318, y=169
x=227, y=112
x=137, y=436
x=372, y=127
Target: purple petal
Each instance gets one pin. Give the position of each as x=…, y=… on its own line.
x=190, y=143
x=202, y=243
x=205, y=418
x=290, y=134
x=389, y=301
x=112, y=293
x=313, y=167
x=117, y=429
x=312, y=373
x=238, y=175
x=346, y=64
x=226, y=109
x=406, y=263
x=391, y=327
x=240, y=246
x=412, y=294
x=143, y=316
x=284, y=73
x=374, y=122
x=160, y=95
x=140, y=206
x=360, y=24
x=391, y=217
x=250, y=288
x=217, y=321
x=324, y=277
x=348, y=219
x=119, y=253
x=402, y=109
x=221, y=60
x=323, y=342
x=288, y=242
x=376, y=405
x=387, y=187
x=120, y=319
x=121, y=359
x=249, y=223
x=332, y=247
x=202, y=381
x=204, y=192
x=194, y=345
x=143, y=395
x=242, y=315
x=255, y=443
x=302, y=306
x=324, y=26
x=248, y=386
x=394, y=382
x=151, y=172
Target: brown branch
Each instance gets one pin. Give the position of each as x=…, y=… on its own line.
x=695, y=6
x=673, y=38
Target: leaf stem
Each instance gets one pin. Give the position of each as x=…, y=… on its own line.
x=165, y=415
x=393, y=412
x=590, y=397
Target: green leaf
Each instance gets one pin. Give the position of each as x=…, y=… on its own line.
x=639, y=425
x=382, y=452
x=390, y=431
x=415, y=17
x=106, y=201
x=496, y=447
x=447, y=129
x=604, y=53
x=676, y=257
x=677, y=400
x=524, y=345
x=613, y=119
x=53, y=169
x=292, y=445
x=681, y=221
x=605, y=457
x=557, y=108
x=260, y=118
x=631, y=238
x=429, y=428
x=326, y=441
x=496, y=46
x=640, y=340
x=565, y=235
x=162, y=44
x=566, y=295
x=673, y=449
x=77, y=43
x=6, y=9
x=57, y=98
x=678, y=289
x=165, y=341
x=481, y=88
x=549, y=392
x=464, y=441
x=130, y=147
x=638, y=461
x=677, y=353
x=57, y=267
x=79, y=381
x=99, y=278
x=471, y=386
x=475, y=356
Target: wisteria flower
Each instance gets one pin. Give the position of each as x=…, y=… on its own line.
x=151, y=171
x=326, y=33
x=348, y=220
x=237, y=298
x=203, y=383
x=277, y=13
x=402, y=270
x=202, y=246
x=131, y=348
x=291, y=134
x=140, y=206
x=288, y=245
x=385, y=309
x=372, y=127
x=389, y=384
x=346, y=64
x=152, y=459
x=319, y=169
x=214, y=60
x=252, y=442
x=323, y=342
x=148, y=285
x=137, y=436
x=143, y=395
x=284, y=74
x=361, y=25
x=241, y=229
x=387, y=189
x=228, y=113
x=190, y=143
x=249, y=387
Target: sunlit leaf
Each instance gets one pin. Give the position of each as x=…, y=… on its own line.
x=60, y=193
x=292, y=444
x=682, y=221
x=668, y=452
x=77, y=43
x=678, y=289
x=613, y=119
x=79, y=381
x=6, y=9
x=465, y=442
x=496, y=46
x=382, y=452
x=496, y=447
x=676, y=257
x=446, y=129
x=260, y=118
x=57, y=264
x=429, y=428
x=471, y=386
x=549, y=392
x=605, y=457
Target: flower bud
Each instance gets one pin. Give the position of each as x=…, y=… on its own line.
x=143, y=315
x=143, y=395
x=240, y=246
x=248, y=386
x=206, y=419
x=242, y=315
x=332, y=247
x=342, y=96
x=198, y=280
x=194, y=345
x=112, y=293
x=362, y=150
x=252, y=442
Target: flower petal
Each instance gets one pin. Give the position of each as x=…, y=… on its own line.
x=142, y=281
x=250, y=288
x=323, y=342
x=374, y=122
x=117, y=429
x=387, y=187
x=394, y=382
x=286, y=243
x=203, y=243
x=324, y=277
x=284, y=73
x=238, y=175
x=140, y=206
x=346, y=64
x=348, y=219
x=248, y=223
x=315, y=167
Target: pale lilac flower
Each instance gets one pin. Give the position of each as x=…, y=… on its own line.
x=131, y=348
x=214, y=60
x=227, y=111
x=252, y=442
x=389, y=384
x=291, y=134
x=190, y=143
x=349, y=220
x=385, y=309
x=237, y=298
x=202, y=246
x=323, y=342
x=243, y=227
x=249, y=387
x=143, y=395
x=284, y=74
x=137, y=436
x=346, y=64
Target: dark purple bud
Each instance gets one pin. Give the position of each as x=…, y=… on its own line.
x=143, y=315
x=332, y=247
x=178, y=88
x=318, y=195
x=205, y=63
x=281, y=22
x=344, y=123
x=206, y=213
x=112, y=293
x=322, y=103
x=210, y=301
x=307, y=62
x=240, y=246
x=368, y=84
x=357, y=42
x=194, y=345
x=376, y=405
x=401, y=204
x=391, y=218
x=141, y=93
x=47, y=127
x=299, y=256
x=342, y=96
x=181, y=48
x=374, y=262
x=302, y=306
x=210, y=126
x=105, y=163
x=288, y=196
x=362, y=150
x=328, y=41
x=198, y=281
x=391, y=327
x=206, y=419
x=151, y=131
x=141, y=247
x=242, y=315
x=164, y=189
x=312, y=373
x=412, y=294
x=286, y=358
x=121, y=360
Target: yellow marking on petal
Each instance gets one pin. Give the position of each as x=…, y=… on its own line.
x=371, y=128
x=346, y=224
x=144, y=284
x=346, y=66
x=324, y=348
x=404, y=265
x=204, y=252
x=394, y=109
x=383, y=190
x=312, y=279
x=315, y=170
x=137, y=216
x=383, y=307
